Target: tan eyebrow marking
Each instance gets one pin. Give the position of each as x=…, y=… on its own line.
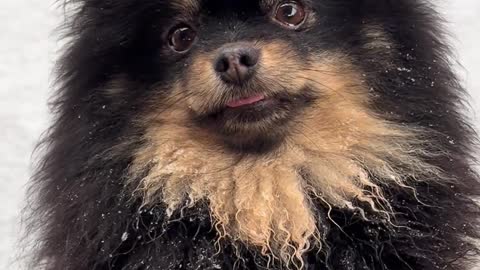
x=187, y=7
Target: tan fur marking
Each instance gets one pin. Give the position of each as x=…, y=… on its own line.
x=262, y=200
x=189, y=8
x=377, y=38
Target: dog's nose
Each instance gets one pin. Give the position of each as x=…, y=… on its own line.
x=236, y=63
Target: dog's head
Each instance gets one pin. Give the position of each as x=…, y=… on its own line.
x=245, y=68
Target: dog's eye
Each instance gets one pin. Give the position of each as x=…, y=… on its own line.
x=181, y=38
x=290, y=13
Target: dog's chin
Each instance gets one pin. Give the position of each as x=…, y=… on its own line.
x=259, y=127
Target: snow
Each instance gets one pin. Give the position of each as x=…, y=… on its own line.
x=27, y=50
x=463, y=16
x=25, y=60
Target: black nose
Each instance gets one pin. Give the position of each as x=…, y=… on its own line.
x=236, y=63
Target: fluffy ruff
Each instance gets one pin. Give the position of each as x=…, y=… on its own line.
x=266, y=201
x=373, y=172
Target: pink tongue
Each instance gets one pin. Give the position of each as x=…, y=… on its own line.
x=246, y=101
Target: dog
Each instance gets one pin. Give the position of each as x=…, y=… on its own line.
x=255, y=134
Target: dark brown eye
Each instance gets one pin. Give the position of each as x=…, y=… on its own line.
x=182, y=38
x=290, y=13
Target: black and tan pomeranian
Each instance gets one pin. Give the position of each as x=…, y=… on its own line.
x=256, y=134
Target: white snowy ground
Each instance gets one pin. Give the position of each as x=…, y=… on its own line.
x=26, y=54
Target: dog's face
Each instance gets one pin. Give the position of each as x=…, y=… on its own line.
x=247, y=75
x=248, y=72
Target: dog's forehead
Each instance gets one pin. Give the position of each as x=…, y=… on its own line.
x=186, y=5
x=194, y=6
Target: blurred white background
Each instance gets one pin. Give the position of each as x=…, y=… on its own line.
x=27, y=51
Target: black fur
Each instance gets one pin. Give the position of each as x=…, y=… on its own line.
x=85, y=220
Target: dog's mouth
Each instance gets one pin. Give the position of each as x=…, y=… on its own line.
x=255, y=109
x=248, y=101
x=256, y=117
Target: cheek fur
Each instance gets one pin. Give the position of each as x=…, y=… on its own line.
x=336, y=151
